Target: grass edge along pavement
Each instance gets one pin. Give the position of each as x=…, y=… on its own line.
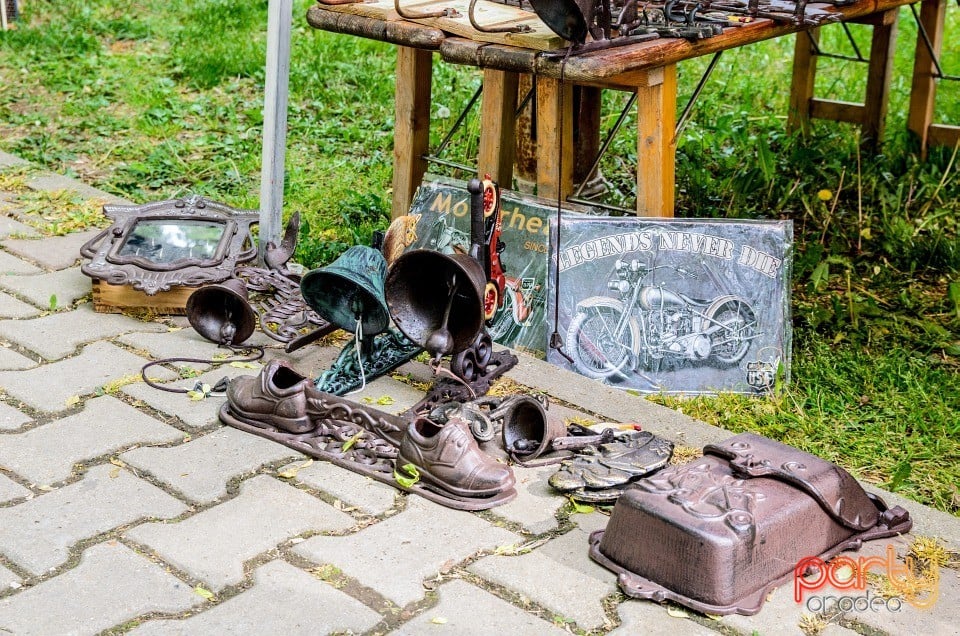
x=875, y=283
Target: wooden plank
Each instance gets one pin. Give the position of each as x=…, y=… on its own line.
x=412, y=124
x=554, y=138
x=488, y=14
x=943, y=135
x=837, y=111
x=923, y=90
x=880, y=70
x=497, y=129
x=656, y=143
x=114, y=299
x=802, y=82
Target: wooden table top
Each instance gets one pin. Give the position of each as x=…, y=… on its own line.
x=538, y=52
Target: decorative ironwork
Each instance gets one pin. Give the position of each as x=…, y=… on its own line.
x=284, y=315
x=155, y=246
x=353, y=366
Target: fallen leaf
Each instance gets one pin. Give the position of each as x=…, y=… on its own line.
x=45, y=488
x=291, y=472
x=438, y=620
x=173, y=329
x=116, y=461
x=347, y=445
x=201, y=591
x=385, y=400
x=196, y=396
x=244, y=365
x=412, y=475
x=114, y=472
x=73, y=399
x=677, y=612
x=580, y=508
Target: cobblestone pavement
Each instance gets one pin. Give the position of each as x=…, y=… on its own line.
x=126, y=509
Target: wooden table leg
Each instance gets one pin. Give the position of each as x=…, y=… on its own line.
x=554, y=138
x=878, y=77
x=656, y=141
x=802, y=84
x=497, y=125
x=412, y=124
x=924, y=89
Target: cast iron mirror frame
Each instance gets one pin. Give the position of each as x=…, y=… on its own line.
x=109, y=264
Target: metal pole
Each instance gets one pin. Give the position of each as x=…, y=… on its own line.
x=279, y=23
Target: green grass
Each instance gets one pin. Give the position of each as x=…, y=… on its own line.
x=157, y=99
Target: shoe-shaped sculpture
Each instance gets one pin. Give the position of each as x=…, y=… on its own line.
x=449, y=458
x=275, y=398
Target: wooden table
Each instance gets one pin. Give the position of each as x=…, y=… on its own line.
x=648, y=68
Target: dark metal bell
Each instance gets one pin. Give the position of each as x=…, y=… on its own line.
x=436, y=299
x=528, y=429
x=563, y=17
x=349, y=287
x=222, y=313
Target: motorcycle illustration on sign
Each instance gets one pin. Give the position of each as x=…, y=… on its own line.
x=671, y=305
x=648, y=326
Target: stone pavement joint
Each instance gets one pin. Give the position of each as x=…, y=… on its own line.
x=38, y=534
x=110, y=586
x=283, y=600
x=61, y=288
x=214, y=545
x=201, y=469
x=47, y=453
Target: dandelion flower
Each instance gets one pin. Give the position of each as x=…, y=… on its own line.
x=824, y=195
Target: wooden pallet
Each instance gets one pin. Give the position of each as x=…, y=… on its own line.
x=114, y=299
x=488, y=14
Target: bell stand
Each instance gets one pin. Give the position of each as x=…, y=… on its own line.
x=927, y=70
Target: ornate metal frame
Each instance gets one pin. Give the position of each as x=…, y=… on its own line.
x=110, y=263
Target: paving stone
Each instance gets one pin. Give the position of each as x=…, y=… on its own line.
x=10, y=418
x=11, y=161
x=58, y=335
x=68, y=285
x=568, y=583
x=283, y=600
x=651, y=619
x=780, y=614
x=199, y=414
x=12, y=361
x=47, y=388
x=411, y=546
x=10, y=490
x=467, y=610
x=37, y=534
x=12, y=227
x=372, y=497
x=7, y=579
x=214, y=544
x=185, y=343
x=54, y=252
x=201, y=468
x=54, y=182
x=536, y=504
x=10, y=264
x=11, y=307
x=46, y=454
x=111, y=586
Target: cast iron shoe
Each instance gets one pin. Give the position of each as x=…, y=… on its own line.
x=448, y=457
x=277, y=397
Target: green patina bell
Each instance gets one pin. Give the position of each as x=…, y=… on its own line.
x=348, y=288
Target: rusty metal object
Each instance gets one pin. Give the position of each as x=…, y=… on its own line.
x=508, y=28
x=746, y=512
x=600, y=471
x=152, y=247
x=447, y=12
x=284, y=406
x=284, y=315
x=222, y=313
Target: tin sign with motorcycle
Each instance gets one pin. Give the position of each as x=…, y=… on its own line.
x=674, y=306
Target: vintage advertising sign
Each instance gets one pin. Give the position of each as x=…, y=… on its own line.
x=439, y=220
x=675, y=306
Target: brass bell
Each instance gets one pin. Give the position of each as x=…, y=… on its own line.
x=222, y=313
x=350, y=288
x=436, y=300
